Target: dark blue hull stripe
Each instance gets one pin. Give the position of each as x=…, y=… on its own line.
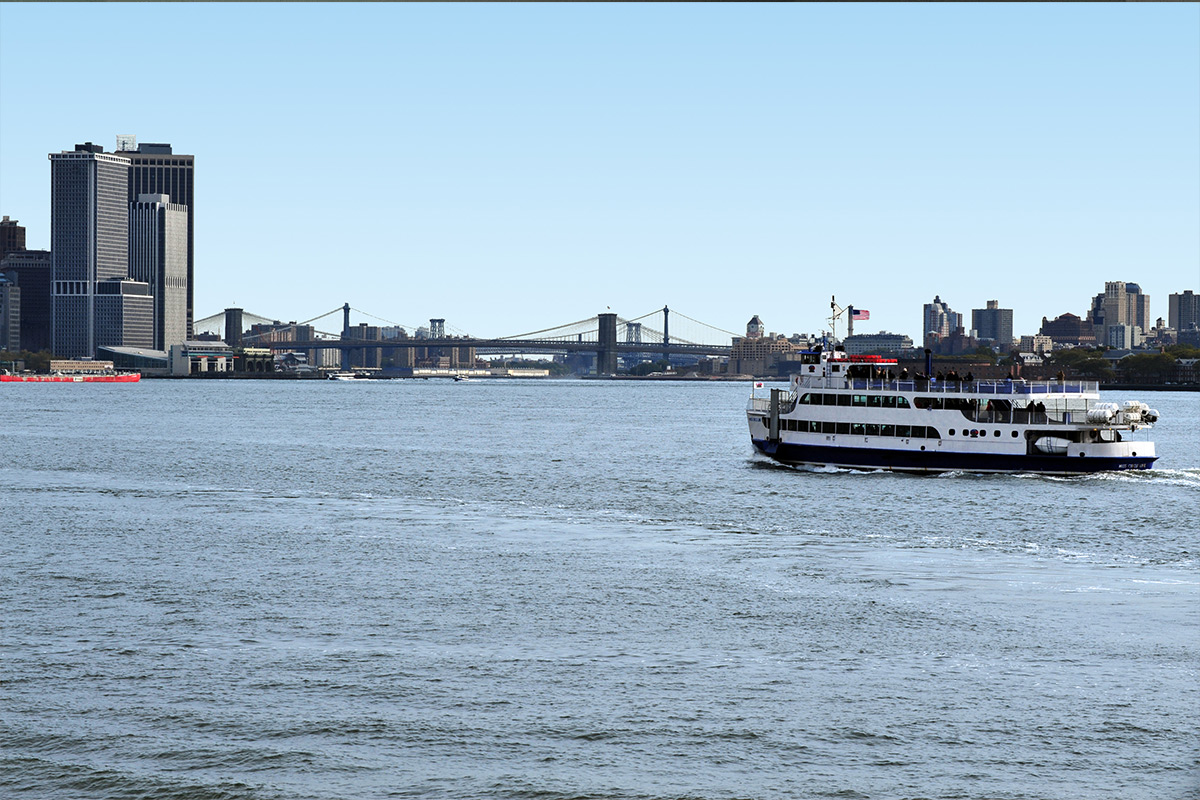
x=941, y=461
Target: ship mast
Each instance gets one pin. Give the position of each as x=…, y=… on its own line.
x=835, y=312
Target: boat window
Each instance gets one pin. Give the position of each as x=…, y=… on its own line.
x=807, y=399
x=887, y=430
x=829, y=399
x=843, y=399
x=923, y=402
x=875, y=401
x=902, y=402
x=952, y=431
x=828, y=427
x=857, y=429
x=859, y=400
x=872, y=429
x=995, y=433
x=843, y=427
x=814, y=427
x=904, y=431
x=889, y=402
x=932, y=433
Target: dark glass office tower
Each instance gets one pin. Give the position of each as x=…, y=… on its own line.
x=89, y=240
x=154, y=169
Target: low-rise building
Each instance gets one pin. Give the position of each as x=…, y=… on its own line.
x=1037, y=343
x=880, y=343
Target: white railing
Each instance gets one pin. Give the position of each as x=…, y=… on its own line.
x=994, y=387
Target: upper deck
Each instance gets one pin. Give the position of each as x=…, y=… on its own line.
x=1008, y=386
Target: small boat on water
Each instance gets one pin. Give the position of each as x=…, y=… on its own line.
x=74, y=371
x=343, y=376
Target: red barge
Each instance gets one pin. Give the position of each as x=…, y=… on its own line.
x=74, y=372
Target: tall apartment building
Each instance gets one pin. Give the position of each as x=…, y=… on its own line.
x=12, y=236
x=31, y=270
x=1183, y=311
x=940, y=320
x=89, y=241
x=155, y=169
x=993, y=324
x=1124, y=304
x=158, y=256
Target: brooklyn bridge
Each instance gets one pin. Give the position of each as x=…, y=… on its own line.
x=607, y=335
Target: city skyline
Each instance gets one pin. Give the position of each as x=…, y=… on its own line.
x=488, y=165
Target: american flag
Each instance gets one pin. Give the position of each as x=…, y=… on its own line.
x=860, y=314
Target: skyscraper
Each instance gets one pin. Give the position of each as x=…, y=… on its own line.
x=89, y=241
x=12, y=237
x=32, y=271
x=155, y=169
x=158, y=257
x=940, y=320
x=993, y=323
x=1124, y=304
x=10, y=315
x=1183, y=312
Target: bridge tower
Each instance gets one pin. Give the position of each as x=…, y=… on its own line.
x=345, y=335
x=666, y=330
x=606, y=351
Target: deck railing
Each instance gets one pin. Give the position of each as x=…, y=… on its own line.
x=1004, y=387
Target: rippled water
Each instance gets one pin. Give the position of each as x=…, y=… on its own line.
x=571, y=589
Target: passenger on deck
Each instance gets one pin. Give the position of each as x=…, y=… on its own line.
x=970, y=378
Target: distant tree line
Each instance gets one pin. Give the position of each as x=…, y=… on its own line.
x=34, y=362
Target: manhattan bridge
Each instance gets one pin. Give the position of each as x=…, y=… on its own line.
x=661, y=333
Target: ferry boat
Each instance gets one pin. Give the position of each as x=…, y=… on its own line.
x=76, y=371
x=861, y=412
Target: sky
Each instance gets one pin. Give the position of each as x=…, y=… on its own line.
x=514, y=167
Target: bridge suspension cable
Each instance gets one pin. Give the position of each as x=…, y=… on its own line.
x=547, y=330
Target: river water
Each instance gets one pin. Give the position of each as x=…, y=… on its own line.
x=571, y=589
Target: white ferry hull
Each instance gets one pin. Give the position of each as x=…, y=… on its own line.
x=935, y=457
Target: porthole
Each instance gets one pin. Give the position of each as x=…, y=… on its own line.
x=952, y=431
x=1081, y=455
x=923, y=447
x=1014, y=434
x=995, y=433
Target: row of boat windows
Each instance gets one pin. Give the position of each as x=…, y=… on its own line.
x=860, y=428
x=864, y=400
x=978, y=433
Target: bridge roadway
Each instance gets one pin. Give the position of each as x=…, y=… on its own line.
x=503, y=345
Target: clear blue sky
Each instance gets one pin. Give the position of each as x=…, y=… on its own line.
x=511, y=167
